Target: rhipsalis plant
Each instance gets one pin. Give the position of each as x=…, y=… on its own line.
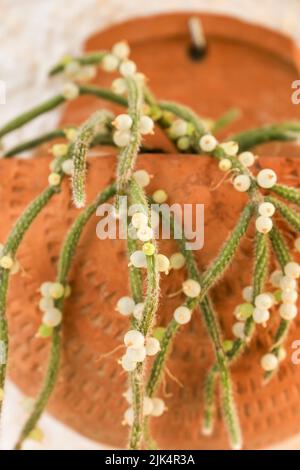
x=147, y=266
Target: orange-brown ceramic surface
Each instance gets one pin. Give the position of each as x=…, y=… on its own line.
x=247, y=67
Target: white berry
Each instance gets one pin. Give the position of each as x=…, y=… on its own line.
x=145, y=233
x=267, y=209
x=242, y=183
x=138, y=311
x=289, y=296
x=122, y=122
x=152, y=346
x=136, y=354
x=288, y=311
x=134, y=339
x=182, y=315
x=127, y=68
x=276, y=277
x=266, y=178
x=142, y=177
x=160, y=196
x=225, y=164
x=68, y=167
x=110, y=63
x=146, y=125
x=231, y=148
x=56, y=290
x=260, y=316
x=208, y=143
x=45, y=289
x=191, y=288
x=125, y=306
x=119, y=86
x=158, y=407
x=263, y=301
x=129, y=416
x=238, y=330
x=121, y=50
x=128, y=395
x=263, y=224
x=177, y=261
x=292, y=270
x=52, y=317
x=147, y=406
x=6, y=262
x=163, y=263
x=178, y=128
x=139, y=219
x=54, y=179
x=287, y=283
x=46, y=303
x=247, y=293
x=269, y=362
x=127, y=363
x=122, y=138
x=70, y=91
x=247, y=159
x=138, y=259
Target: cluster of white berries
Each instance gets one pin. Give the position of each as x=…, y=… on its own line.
x=138, y=347
x=77, y=72
x=52, y=316
x=264, y=221
x=7, y=262
x=191, y=289
x=123, y=124
x=265, y=179
x=259, y=311
x=117, y=59
x=287, y=283
x=145, y=234
x=180, y=131
x=151, y=407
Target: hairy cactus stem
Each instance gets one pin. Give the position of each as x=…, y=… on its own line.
x=67, y=254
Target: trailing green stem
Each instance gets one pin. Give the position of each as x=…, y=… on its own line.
x=151, y=299
x=78, y=151
x=221, y=263
x=290, y=194
x=128, y=154
x=283, y=257
x=213, y=328
x=32, y=114
x=259, y=278
x=261, y=135
x=64, y=264
x=93, y=58
x=291, y=216
x=13, y=242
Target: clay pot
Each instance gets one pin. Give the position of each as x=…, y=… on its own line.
x=88, y=393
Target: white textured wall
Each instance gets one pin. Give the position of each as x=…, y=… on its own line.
x=34, y=34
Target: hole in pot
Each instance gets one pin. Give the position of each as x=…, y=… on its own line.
x=197, y=53
x=198, y=48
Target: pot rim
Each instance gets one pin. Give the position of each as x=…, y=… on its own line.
x=225, y=26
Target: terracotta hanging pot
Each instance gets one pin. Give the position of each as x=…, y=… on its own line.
x=88, y=395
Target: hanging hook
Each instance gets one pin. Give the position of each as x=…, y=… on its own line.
x=198, y=45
